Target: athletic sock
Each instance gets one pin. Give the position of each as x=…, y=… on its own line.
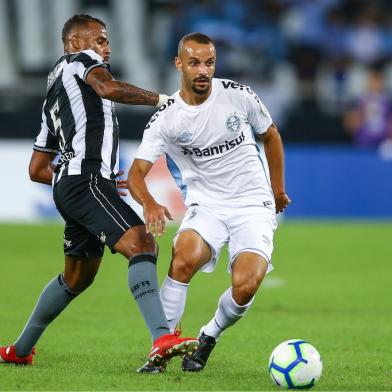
x=228, y=313
x=53, y=300
x=143, y=283
x=173, y=297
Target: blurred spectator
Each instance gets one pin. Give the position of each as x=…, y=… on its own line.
x=369, y=120
x=365, y=39
x=306, y=58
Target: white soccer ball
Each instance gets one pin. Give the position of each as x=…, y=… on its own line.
x=295, y=364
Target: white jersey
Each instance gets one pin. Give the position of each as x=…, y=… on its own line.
x=210, y=148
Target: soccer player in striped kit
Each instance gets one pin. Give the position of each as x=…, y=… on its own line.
x=79, y=123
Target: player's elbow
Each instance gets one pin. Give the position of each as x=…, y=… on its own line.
x=105, y=90
x=272, y=134
x=133, y=173
x=34, y=173
x=130, y=186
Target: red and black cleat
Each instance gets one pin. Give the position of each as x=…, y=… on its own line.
x=170, y=345
x=8, y=355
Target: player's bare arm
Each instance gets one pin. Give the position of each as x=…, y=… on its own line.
x=41, y=167
x=154, y=214
x=275, y=156
x=103, y=83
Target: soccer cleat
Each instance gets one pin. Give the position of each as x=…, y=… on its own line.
x=170, y=345
x=8, y=355
x=148, y=367
x=198, y=359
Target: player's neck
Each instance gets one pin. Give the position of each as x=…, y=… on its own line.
x=191, y=98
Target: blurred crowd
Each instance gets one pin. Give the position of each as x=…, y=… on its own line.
x=323, y=67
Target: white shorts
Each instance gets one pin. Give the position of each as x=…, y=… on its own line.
x=245, y=229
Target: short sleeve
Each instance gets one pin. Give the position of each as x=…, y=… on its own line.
x=45, y=140
x=153, y=144
x=85, y=61
x=258, y=115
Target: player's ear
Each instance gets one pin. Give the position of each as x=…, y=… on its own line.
x=178, y=63
x=75, y=43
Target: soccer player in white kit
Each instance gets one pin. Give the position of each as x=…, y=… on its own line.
x=232, y=186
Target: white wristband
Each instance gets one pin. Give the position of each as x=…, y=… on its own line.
x=162, y=99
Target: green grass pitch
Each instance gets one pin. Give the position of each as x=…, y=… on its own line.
x=331, y=286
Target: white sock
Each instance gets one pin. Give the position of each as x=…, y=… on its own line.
x=228, y=313
x=173, y=297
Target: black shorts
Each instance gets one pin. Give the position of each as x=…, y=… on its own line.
x=94, y=214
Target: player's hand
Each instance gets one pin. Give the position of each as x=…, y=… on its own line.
x=155, y=218
x=121, y=184
x=281, y=202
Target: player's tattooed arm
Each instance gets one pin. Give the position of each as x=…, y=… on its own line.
x=273, y=147
x=41, y=167
x=103, y=83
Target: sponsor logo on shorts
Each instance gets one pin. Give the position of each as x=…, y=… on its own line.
x=102, y=237
x=67, y=243
x=192, y=213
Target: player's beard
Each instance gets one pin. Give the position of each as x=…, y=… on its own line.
x=201, y=90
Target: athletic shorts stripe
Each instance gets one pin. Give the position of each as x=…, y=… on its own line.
x=110, y=204
x=100, y=202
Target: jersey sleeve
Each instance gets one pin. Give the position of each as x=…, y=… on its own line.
x=258, y=115
x=45, y=140
x=153, y=144
x=85, y=61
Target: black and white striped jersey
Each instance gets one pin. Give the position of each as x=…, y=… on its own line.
x=76, y=123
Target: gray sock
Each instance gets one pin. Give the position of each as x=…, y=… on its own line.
x=143, y=283
x=52, y=301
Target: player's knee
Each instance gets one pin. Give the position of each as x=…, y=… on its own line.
x=79, y=283
x=136, y=241
x=245, y=288
x=182, y=268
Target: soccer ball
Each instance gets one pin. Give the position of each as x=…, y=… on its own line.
x=295, y=364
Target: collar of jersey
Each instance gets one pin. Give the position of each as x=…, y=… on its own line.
x=196, y=108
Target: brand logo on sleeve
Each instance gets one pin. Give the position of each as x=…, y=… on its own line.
x=168, y=103
x=242, y=87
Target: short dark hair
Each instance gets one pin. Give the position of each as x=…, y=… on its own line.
x=76, y=21
x=197, y=37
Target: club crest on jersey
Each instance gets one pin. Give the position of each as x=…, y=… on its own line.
x=184, y=137
x=233, y=123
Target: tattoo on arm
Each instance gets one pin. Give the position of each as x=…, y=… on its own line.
x=103, y=83
x=129, y=94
